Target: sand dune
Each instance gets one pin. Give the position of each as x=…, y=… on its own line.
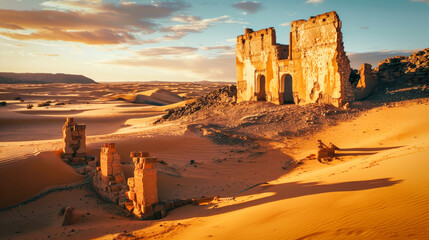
x=377, y=190
x=151, y=97
x=23, y=179
x=378, y=196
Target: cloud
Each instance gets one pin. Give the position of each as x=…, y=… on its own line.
x=220, y=67
x=364, y=27
x=285, y=24
x=47, y=54
x=163, y=51
x=193, y=24
x=248, y=6
x=373, y=58
x=223, y=47
x=314, y=1
x=90, y=22
x=426, y=1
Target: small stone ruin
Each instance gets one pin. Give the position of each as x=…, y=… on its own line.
x=74, y=149
x=108, y=178
x=143, y=186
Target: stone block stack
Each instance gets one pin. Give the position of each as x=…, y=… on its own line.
x=143, y=189
x=74, y=148
x=108, y=179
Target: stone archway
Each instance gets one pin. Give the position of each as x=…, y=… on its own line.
x=261, y=94
x=286, y=90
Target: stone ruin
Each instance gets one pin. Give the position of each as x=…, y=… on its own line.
x=143, y=186
x=313, y=68
x=108, y=178
x=74, y=149
x=399, y=71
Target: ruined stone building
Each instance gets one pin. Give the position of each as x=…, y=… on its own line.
x=108, y=179
x=74, y=148
x=143, y=189
x=313, y=68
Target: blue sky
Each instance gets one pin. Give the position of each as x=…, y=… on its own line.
x=137, y=40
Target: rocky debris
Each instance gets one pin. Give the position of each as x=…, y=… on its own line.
x=68, y=216
x=394, y=73
x=221, y=97
x=407, y=71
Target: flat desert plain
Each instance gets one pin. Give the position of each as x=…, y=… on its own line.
x=266, y=185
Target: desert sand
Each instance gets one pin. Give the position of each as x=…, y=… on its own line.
x=377, y=188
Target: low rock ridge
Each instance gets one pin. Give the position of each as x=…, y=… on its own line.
x=41, y=78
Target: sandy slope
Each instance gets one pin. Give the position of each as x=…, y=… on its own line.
x=21, y=180
x=379, y=196
x=379, y=190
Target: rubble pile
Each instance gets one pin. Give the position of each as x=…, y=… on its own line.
x=221, y=97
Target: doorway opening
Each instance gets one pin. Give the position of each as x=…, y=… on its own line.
x=286, y=89
x=261, y=94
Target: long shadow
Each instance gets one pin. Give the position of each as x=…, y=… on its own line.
x=353, y=154
x=368, y=149
x=293, y=190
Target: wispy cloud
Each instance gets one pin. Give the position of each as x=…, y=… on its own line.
x=194, y=24
x=217, y=67
x=314, y=1
x=426, y=1
x=164, y=51
x=285, y=24
x=248, y=6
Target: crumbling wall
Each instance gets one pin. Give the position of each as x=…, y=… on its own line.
x=367, y=81
x=74, y=140
x=315, y=60
x=108, y=179
x=143, y=189
x=255, y=54
x=321, y=69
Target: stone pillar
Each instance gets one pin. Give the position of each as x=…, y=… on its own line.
x=74, y=138
x=110, y=163
x=143, y=186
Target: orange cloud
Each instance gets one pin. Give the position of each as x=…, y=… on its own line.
x=98, y=23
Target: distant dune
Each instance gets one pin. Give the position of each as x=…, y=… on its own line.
x=40, y=78
x=153, y=97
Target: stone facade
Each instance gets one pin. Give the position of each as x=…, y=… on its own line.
x=313, y=68
x=143, y=189
x=108, y=179
x=74, y=148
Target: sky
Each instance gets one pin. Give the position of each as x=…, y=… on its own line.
x=187, y=40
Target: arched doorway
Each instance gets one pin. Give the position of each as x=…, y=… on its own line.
x=286, y=88
x=260, y=93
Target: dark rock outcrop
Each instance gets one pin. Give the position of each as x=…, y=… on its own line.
x=221, y=97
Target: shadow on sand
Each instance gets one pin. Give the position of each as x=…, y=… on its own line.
x=287, y=191
x=361, y=151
